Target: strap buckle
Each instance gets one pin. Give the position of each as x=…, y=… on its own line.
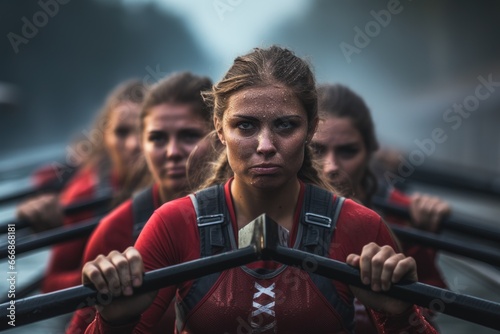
x=210, y=220
x=318, y=220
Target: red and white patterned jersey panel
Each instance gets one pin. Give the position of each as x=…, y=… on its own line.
x=283, y=301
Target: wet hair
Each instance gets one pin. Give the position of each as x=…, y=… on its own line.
x=335, y=100
x=262, y=67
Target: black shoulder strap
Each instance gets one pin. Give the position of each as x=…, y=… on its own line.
x=319, y=219
x=215, y=230
x=143, y=207
x=212, y=220
x=320, y=212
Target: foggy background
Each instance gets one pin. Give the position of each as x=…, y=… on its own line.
x=411, y=67
x=420, y=61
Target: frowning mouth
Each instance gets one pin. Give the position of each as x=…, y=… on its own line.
x=265, y=169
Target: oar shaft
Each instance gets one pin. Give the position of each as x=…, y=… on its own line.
x=95, y=203
x=27, y=289
x=480, y=253
x=51, y=237
x=484, y=183
x=49, y=305
x=469, y=308
x=456, y=224
x=30, y=190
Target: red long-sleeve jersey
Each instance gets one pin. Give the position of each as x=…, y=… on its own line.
x=285, y=297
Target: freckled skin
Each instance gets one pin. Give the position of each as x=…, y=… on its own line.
x=342, y=150
x=267, y=127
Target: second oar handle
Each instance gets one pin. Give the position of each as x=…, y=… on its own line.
x=469, y=308
x=51, y=237
x=460, y=225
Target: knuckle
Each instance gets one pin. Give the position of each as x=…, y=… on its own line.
x=377, y=261
x=109, y=271
x=121, y=264
x=113, y=253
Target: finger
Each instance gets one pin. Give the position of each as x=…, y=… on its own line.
x=111, y=275
x=405, y=268
x=121, y=264
x=136, y=265
x=388, y=270
x=415, y=211
x=435, y=214
x=91, y=274
x=423, y=212
x=443, y=210
x=365, y=262
x=353, y=260
x=427, y=212
x=377, y=266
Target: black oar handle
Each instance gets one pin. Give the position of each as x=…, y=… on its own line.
x=36, y=308
x=479, y=182
x=30, y=190
x=469, y=308
x=481, y=253
x=466, y=307
x=100, y=202
x=27, y=289
x=27, y=191
x=51, y=237
x=95, y=203
x=456, y=224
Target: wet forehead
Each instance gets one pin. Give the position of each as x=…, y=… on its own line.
x=264, y=102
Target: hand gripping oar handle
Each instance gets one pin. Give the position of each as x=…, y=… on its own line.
x=466, y=226
x=32, y=309
x=469, y=308
x=92, y=204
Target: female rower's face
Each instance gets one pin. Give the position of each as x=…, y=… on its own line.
x=121, y=136
x=171, y=132
x=340, y=147
x=265, y=130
